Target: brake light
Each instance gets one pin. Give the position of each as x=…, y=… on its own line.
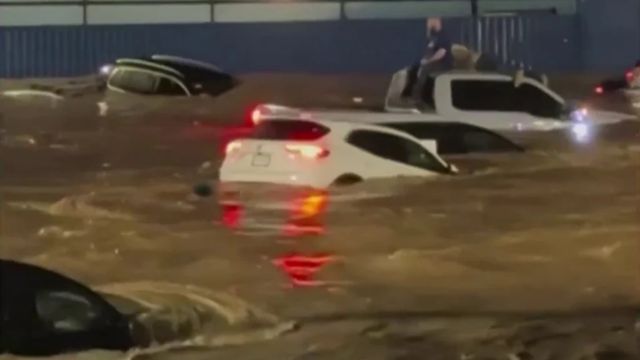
x=307, y=150
x=629, y=75
x=256, y=116
x=599, y=90
x=232, y=147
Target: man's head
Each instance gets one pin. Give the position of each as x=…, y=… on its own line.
x=434, y=25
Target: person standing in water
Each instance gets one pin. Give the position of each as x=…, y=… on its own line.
x=438, y=57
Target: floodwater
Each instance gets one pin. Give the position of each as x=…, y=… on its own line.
x=524, y=256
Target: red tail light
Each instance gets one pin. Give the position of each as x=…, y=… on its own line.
x=629, y=75
x=232, y=147
x=307, y=150
x=256, y=116
x=599, y=90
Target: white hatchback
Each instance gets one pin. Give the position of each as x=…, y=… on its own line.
x=318, y=154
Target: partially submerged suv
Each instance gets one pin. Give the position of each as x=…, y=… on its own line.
x=316, y=153
x=169, y=76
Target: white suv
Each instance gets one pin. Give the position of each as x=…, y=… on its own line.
x=320, y=153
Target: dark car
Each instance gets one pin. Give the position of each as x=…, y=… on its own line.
x=169, y=76
x=618, y=83
x=457, y=138
x=43, y=313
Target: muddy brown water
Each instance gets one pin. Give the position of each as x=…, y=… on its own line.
x=533, y=253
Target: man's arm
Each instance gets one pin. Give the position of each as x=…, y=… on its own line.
x=437, y=56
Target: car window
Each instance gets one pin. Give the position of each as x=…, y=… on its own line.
x=483, y=141
x=117, y=78
x=67, y=311
x=457, y=138
x=135, y=81
x=395, y=148
x=444, y=134
x=483, y=95
x=169, y=87
x=289, y=130
x=536, y=102
x=502, y=95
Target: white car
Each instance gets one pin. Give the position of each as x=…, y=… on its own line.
x=494, y=101
x=315, y=153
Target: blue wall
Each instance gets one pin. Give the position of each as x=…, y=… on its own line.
x=334, y=46
x=610, y=34
x=599, y=37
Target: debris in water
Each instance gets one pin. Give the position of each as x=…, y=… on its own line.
x=203, y=190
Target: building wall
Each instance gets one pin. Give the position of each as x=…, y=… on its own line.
x=610, y=33
x=363, y=36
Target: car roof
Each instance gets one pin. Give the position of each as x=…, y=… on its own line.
x=189, y=70
x=149, y=65
x=192, y=70
x=14, y=273
x=185, y=61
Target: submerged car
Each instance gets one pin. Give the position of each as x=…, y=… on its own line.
x=317, y=153
x=630, y=82
x=494, y=101
x=453, y=138
x=168, y=76
x=44, y=313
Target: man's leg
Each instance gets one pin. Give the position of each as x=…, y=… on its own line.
x=425, y=72
x=412, y=76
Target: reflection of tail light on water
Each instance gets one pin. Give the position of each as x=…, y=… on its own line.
x=302, y=269
x=232, y=215
x=306, y=215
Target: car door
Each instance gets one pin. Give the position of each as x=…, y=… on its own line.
x=387, y=154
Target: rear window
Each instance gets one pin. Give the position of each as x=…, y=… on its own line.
x=289, y=130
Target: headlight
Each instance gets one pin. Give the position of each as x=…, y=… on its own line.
x=105, y=70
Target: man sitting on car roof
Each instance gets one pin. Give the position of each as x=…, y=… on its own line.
x=439, y=58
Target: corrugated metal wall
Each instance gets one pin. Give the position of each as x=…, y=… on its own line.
x=611, y=33
x=544, y=42
x=549, y=43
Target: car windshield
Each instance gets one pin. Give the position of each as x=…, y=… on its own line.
x=320, y=179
